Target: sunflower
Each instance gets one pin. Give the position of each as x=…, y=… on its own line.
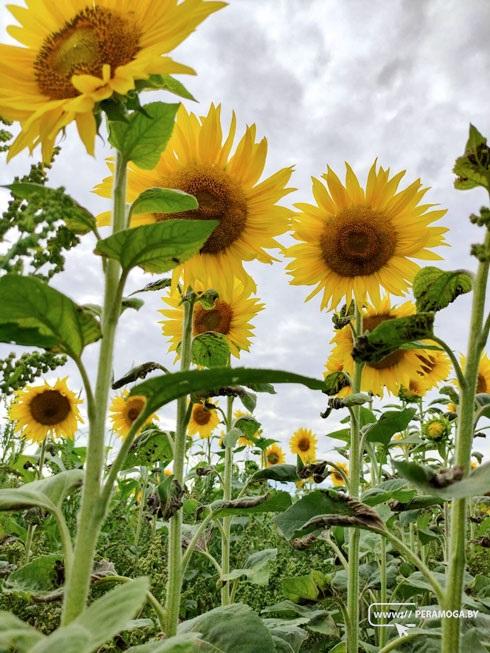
x=336, y=477
x=436, y=428
x=396, y=370
x=231, y=315
x=203, y=420
x=354, y=241
x=198, y=161
x=274, y=455
x=39, y=411
x=125, y=410
x=303, y=443
x=483, y=379
x=77, y=53
x=245, y=441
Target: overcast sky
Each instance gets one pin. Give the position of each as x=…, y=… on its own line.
x=325, y=81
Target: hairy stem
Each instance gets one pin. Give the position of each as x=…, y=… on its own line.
x=227, y=495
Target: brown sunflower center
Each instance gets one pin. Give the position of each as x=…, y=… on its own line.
x=217, y=319
x=304, y=444
x=135, y=406
x=94, y=37
x=357, y=242
x=50, y=407
x=201, y=415
x=219, y=197
x=481, y=385
x=370, y=323
x=272, y=458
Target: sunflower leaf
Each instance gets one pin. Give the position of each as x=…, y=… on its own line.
x=157, y=247
x=272, y=502
x=390, y=422
x=473, y=168
x=154, y=286
x=447, y=484
x=163, y=200
x=164, y=389
x=210, y=349
x=388, y=336
x=16, y=635
x=152, y=447
x=434, y=289
x=165, y=83
x=142, y=139
x=34, y=314
x=136, y=373
x=282, y=473
x=48, y=493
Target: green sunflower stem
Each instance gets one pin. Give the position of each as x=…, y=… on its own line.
x=175, y=574
x=92, y=507
x=354, y=488
x=31, y=528
x=451, y=627
x=227, y=495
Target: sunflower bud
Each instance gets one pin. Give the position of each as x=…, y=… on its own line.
x=437, y=428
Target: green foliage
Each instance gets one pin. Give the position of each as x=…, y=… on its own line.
x=143, y=137
x=16, y=635
x=271, y=502
x=165, y=83
x=434, y=289
x=163, y=200
x=308, y=587
x=447, y=484
x=152, y=447
x=390, y=422
x=34, y=314
x=256, y=569
x=17, y=371
x=283, y=473
x=210, y=349
x=39, y=576
x=48, y=493
x=156, y=247
x=473, y=168
x=391, y=335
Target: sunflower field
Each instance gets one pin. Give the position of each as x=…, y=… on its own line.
x=166, y=505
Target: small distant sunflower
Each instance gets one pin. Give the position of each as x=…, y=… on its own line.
x=398, y=369
x=437, y=428
x=203, y=421
x=231, y=315
x=77, y=53
x=125, y=410
x=40, y=411
x=274, y=455
x=483, y=380
x=336, y=477
x=452, y=408
x=303, y=443
x=198, y=161
x=354, y=241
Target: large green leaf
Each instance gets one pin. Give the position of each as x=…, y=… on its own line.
x=34, y=314
x=153, y=446
x=183, y=643
x=271, y=502
x=307, y=587
x=256, y=569
x=445, y=483
x=163, y=389
x=210, y=349
x=158, y=247
x=15, y=635
x=435, y=289
x=39, y=576
x=395, y=489
x=163, y=200
x=47, y=493
x=144, y=137
x=390, y=422
x=231, y=629
x=283, y=473
x=391, y=335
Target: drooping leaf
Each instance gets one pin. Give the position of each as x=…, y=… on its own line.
x=390, y=422
x=395, y=489
x=164, y=389
x=165, y=83
x=144, y=137
x=155, y=286
x=163, y=200
x=136, y=373
x=230, y=629
x=48, y=493
x=447, y=484
x=16, y=635
x=256, y=568
x=391, y=335
x=271, y=502
x=283, y=473
x=434, y=289
x=34, y=314
x=157, y=247
x=210, y=349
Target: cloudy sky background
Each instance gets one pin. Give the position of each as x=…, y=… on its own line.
x=325, y=81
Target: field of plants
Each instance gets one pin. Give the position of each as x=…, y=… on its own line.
x=121, y=533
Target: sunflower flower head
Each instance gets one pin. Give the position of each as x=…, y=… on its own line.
x=336, y=477
x=204, y=420
x=274, y=455
x=419, y=369
x=231, y=315
x=303, y=443
x=125, y=410
x=437, y=428
x=355, y=241
x=199, y=160
x=483, y=378
x=43, y=410
x=74, y=54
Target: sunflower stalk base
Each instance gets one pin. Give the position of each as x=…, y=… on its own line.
x=451, y=628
